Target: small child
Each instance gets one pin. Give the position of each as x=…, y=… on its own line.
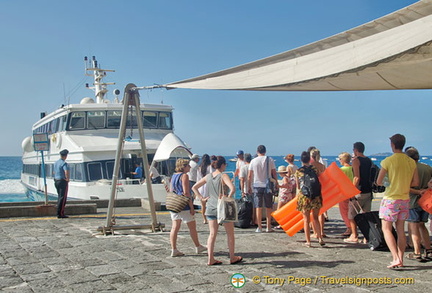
x=287, y=188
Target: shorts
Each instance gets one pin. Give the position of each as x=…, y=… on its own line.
x=184, y=216
x=418, y=215
x=364, y=200
x=392, y=210
x=211, y=218
x=262, y=199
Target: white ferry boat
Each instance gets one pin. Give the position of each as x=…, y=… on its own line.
x=90, y=131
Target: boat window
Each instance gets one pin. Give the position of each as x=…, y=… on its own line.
x=62, y=123
x=150, y=119
x=131, y=119
x=53, y=126
x=110, y=169
x=71, y=171
x=96, y=119
x=94, y=171
x=76, y=173
x=165, y=120
x=77, y=120
x=114, y=118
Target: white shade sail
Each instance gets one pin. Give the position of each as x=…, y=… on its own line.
x=389, y=53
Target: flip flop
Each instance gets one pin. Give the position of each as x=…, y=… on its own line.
x=216, y=263
x=239, y=259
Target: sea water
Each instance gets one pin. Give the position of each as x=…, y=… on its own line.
x=11, y=189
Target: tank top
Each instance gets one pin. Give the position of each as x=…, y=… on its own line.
x=213, y=189
x=177, y=186
x=365, y=170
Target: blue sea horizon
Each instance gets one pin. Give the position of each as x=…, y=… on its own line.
x=11, y=189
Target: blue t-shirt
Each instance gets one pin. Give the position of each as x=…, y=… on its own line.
x=139, y=173
x=59, y=169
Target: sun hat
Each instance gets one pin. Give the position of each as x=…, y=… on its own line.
x=282, y=169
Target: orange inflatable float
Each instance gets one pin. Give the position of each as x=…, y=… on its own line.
x=425, y=201
x=335, y=187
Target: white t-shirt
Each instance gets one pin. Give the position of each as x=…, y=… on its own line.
x=244, y=170
x=154, y=172
x=260, y=173
x=193, y=171
x=240, y=164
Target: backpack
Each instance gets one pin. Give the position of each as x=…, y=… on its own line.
x=373, y=178
x=311, y=187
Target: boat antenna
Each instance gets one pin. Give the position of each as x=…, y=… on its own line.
x=99, y=86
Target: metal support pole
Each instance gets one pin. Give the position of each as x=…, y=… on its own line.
x=44, y=178
x=145, y=159
x=131, y=97
x=120, y=143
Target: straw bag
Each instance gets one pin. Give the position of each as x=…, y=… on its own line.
x=175, y=202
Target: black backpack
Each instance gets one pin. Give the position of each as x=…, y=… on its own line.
x=311, y=187
x=373, y=178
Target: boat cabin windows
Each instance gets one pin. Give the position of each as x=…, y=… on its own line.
x=77, y=120
x=96, y=119
x=81, y=120
x=53, y=126
x=165, y=120
x=113, y=119
x=94, y=170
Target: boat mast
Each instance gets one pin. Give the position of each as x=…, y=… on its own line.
x=100, y=87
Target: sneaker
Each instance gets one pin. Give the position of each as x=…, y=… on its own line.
x=175, y=253
x=258, y=230
x=269, y=230
x=200, y=249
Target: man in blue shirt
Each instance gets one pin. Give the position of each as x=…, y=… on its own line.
x=138, y=174
x=61, y=180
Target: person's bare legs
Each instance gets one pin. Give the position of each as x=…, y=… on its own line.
x=176, y=224
x=391, y=243
x=259, y=217
x=193, y=233
x=203, y=210
x=316, y=225
x=306, y=227
x=213, y=227
x=229, y=228
x=268, y=218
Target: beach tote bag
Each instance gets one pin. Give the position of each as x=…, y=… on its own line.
x=226, y=208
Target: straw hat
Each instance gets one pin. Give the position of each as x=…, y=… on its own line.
x=282, y=169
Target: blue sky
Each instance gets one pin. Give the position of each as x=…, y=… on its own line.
x=155, y=42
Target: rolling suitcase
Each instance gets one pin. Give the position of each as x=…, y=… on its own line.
x=369, y=224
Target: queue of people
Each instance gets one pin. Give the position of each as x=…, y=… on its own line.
x=408, y=180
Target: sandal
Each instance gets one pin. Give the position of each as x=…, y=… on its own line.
x=414, y=256
x=428, y=254
x=307, y=244
x=216, y=263
x=239, y=259
x=321, y=242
